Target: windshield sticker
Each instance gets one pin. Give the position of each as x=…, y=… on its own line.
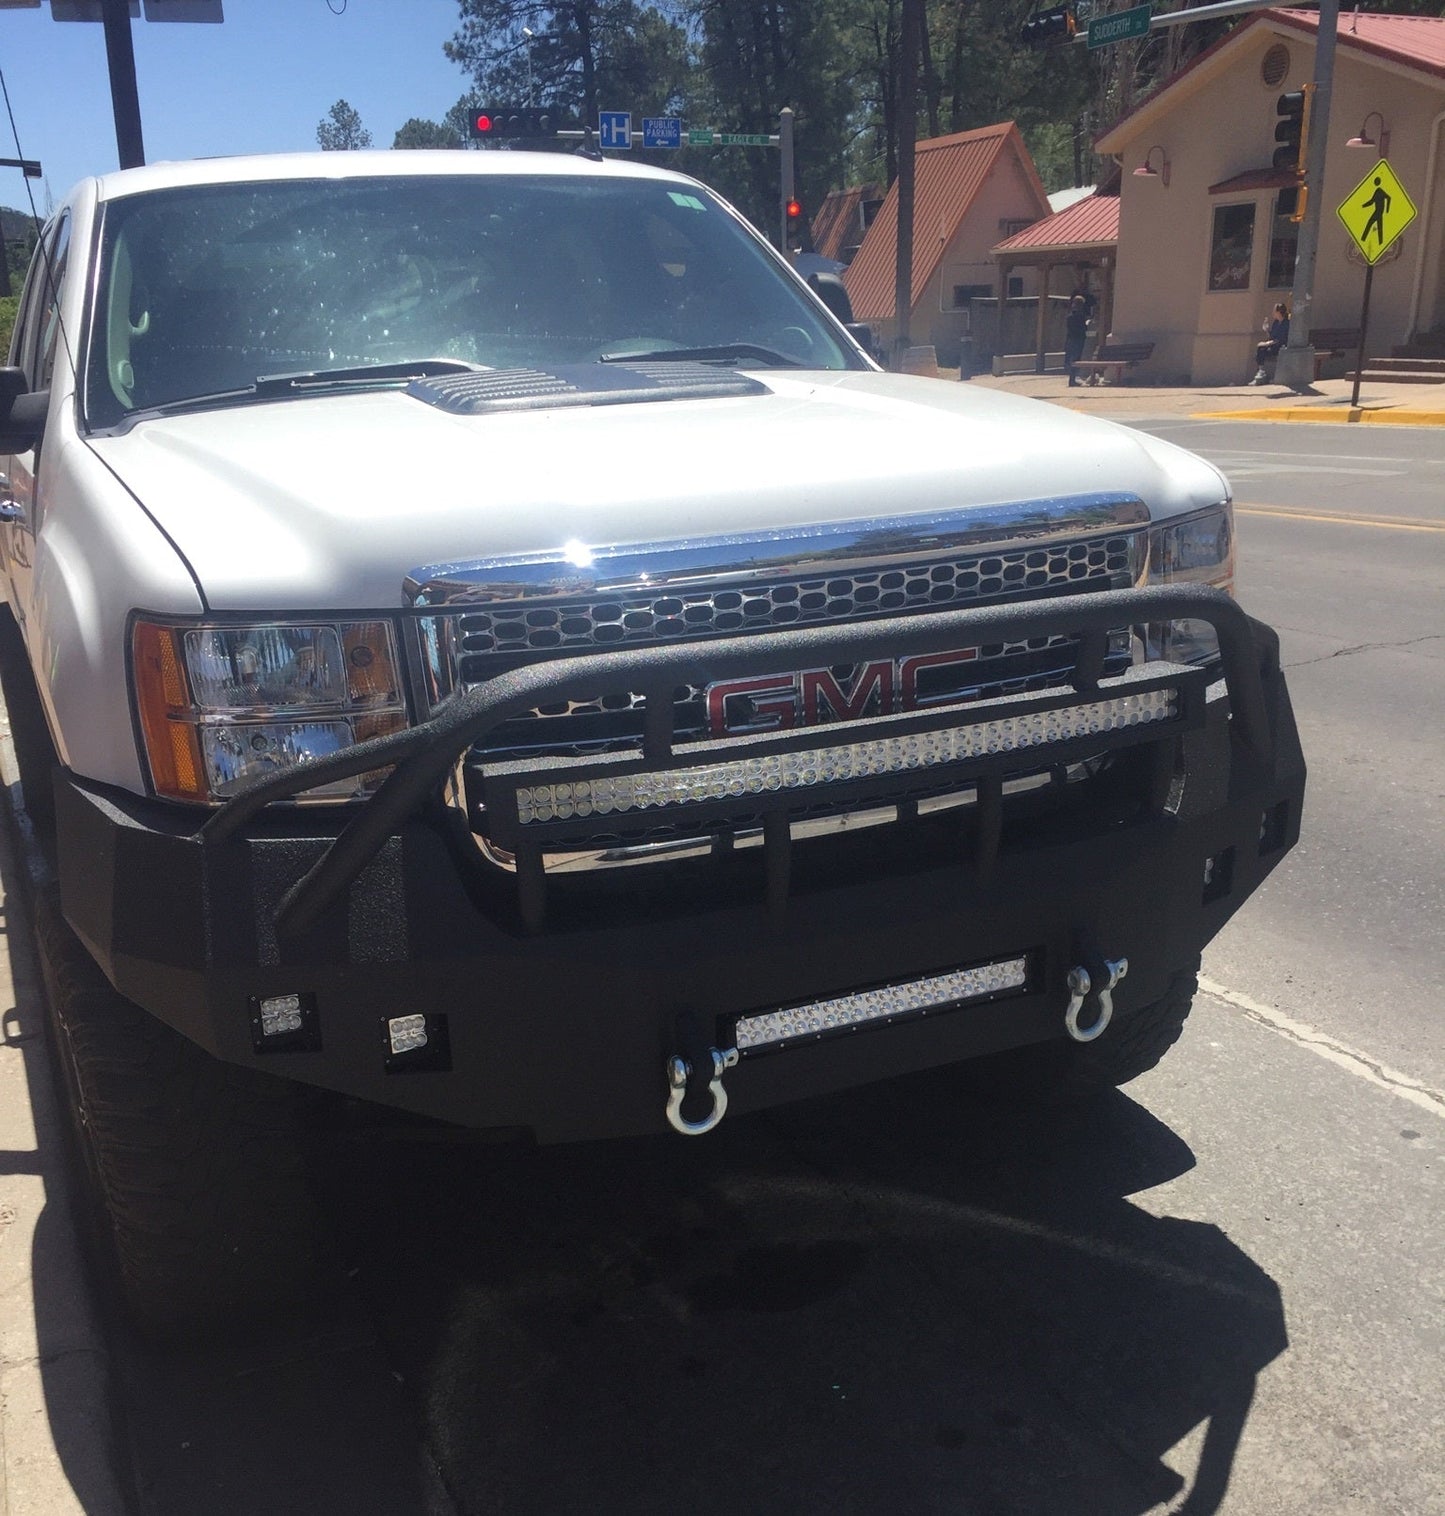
x=688, y=202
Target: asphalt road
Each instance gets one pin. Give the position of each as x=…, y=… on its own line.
x=1220, y=1290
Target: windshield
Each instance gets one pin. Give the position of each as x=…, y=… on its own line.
x=203, y=290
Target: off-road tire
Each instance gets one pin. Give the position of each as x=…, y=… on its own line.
x=196, y=1195
x=1137, y=1040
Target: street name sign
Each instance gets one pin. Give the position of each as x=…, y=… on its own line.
x=614, y=128
x=699, y=136
x=1376, y=211
x=1120, y=26
x=662, y=131
x=745, y=139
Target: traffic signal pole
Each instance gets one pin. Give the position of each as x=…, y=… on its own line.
x=124, y=95
x=785, y=143
x=1295, y=365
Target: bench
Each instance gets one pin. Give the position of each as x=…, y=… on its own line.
x=1114, y=358
x=1333, y=342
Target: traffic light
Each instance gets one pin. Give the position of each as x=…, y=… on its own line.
x=795, y=212
x=1292, y=130
x=1057, y=24
x=509, y=121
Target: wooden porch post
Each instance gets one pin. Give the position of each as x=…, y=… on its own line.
x=1045, y=274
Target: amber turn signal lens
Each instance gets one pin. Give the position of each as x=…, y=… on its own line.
x=164, y=705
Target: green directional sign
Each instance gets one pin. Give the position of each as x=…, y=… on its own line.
x=700, y=136
x=745, y=139
x=1120, y=26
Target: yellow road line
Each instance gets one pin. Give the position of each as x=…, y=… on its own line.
x=1388, y=523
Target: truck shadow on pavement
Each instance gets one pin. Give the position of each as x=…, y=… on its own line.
x=928, y=1296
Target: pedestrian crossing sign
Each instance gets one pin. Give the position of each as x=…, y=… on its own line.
x=1376, y=211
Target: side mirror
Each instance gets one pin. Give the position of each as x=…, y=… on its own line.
x=831, y=290
x=22, y=415
x=862, y=334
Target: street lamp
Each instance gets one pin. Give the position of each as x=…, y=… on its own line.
x=1380, y=141
x=528, y=33
x=1146, y=169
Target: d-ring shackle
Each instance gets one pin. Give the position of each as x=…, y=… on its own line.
x=679, y=1071
x=1079, y=986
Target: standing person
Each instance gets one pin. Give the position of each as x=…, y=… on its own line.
x=1076, y=331
x=1278, y=329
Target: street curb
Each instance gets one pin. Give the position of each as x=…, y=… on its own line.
x=1354, y=413
x=67, y=1360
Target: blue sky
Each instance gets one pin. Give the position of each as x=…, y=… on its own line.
x=259, y=82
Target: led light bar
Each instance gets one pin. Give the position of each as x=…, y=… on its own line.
x=834, y=765
x=914, y=998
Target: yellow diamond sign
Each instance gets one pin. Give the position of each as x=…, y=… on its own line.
x=1376, y=211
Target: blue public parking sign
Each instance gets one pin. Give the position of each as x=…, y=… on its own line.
x=662, y=131
x=614, y=128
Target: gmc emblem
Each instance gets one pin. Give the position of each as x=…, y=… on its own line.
x=811, y=697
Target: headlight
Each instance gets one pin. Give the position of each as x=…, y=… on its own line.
x=220, y=705
x=1197, y=549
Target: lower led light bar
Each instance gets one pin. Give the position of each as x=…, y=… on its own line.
x=835, y=765
x=913, y=998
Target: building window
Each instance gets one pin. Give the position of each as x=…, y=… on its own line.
x=1012, y=226
x=1016, y=287
x=963, y=293
x=1283, y=240
x=1231, y=247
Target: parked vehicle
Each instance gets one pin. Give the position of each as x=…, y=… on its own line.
x=484, y=639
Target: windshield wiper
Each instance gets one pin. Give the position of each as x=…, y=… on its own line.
x=723, y=352
x=357, y=373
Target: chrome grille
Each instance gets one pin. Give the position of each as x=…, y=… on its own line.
x=646, y=618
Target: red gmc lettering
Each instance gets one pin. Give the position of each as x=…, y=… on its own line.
x=775, y=715
x=819, y=685
x=811, y=697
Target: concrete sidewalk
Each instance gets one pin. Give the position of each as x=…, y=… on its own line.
x=1327, y=401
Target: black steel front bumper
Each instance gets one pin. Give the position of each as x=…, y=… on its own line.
x=555, y=1004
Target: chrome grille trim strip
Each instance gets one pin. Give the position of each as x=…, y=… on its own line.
x=578, y=568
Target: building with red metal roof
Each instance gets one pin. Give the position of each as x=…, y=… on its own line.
x=843, y=218
x=970, y=188
x=1206, y=243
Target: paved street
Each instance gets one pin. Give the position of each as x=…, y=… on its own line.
x=1220, y=1290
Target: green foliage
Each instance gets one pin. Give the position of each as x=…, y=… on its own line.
x=418, y=133
x=9, y=306
x=581, y=56
x=340, y=129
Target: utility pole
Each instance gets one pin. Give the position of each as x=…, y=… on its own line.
x=1296, y=364
x=910, y=46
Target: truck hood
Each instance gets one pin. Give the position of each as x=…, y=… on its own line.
x=329, y=502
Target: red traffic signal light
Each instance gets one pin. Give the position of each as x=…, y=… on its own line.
x=795, y=209
x=512, y=121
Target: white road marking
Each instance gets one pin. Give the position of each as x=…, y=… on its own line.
x=1341, y=1054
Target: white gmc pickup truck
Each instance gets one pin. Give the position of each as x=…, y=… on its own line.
x=484, y=638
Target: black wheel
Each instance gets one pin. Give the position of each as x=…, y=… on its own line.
x=1137, y=1040
x=29, y=734
x=197, y=1196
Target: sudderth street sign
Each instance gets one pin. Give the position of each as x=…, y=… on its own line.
x=1120, y=26
x=1376, y=211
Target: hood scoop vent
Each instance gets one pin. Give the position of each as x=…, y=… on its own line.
x=530, y=389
